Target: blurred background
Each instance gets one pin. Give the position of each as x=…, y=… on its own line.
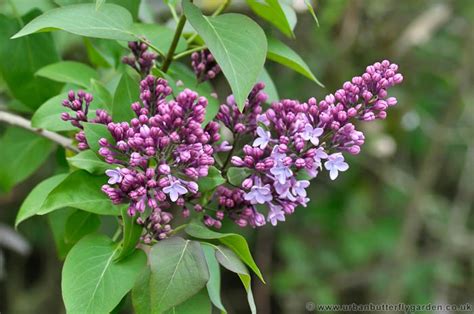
x=397, y=227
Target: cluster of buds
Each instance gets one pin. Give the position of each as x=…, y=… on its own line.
x=79, y=104
x=294, y=140
x=245, y=121
x=141, y=59
x=204, y=65
x=160, y=154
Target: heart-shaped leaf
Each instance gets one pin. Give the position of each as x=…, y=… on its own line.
x=237, y=43
x=229, y=260
x=178, y=271
x=110, y=21
x=80, y=190
x=91, y=281
x=127, y=93
x=234, y=241
x=281, y=53
x=273, y=12
x=33, y=202
x=89, y=161
x=69, y=72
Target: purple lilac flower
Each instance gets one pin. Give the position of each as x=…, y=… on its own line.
x=335, y=164
x=276, y=214
x=175, y=189
x=204, y=65
x=162, y=153
x=299, y=138
x=263, y=138
x=79, y=104
x=115, y=176
x=245, y=121
x=141, y=59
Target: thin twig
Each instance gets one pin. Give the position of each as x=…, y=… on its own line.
x=174, y=44
x=16, y=120
x=188, y=52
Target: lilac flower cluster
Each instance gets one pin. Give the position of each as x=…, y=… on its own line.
x=159, y=155
x=294, y=140
x=246, y=121
x=141, y=59
x=204, y=65
x=79, y=104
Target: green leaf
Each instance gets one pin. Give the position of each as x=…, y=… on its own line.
x=48, y=116
x=57, y=222
x=21, y=153
x=141, y=293
x=272, y=11
x=110, y=21
x=89, y=161
x=237, y=175
x=131, y=234
x=211, y=181
x=94, y=132
x=281, y=53
x=98, y=3
x=127, y=92
x=33, y=202
x=69, y=72
x=160, y=36
x=101, y=95
x=91, y=281
x=25, y=56
x=83, y=191
x=240, y=54
x=270, y=88
x=178, y=271
x=214, y=284
x=311, y=10
x=79, y=224
x=197, y=304
x=229, y=260
x=234, y=241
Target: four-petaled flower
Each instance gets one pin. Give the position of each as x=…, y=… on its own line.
x=115, y=176
x=281, y=173
x=311, y=134
x=335, y=164
x=276, y=214
x=262, y=139
x=320, y=154
x=175, y=189
x=298, y=188
x=259, y=194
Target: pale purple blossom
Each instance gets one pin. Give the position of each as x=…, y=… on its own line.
x=312, y=134
x=175, y=189
x=334, y=164
x=299, y=188
x=275, y=214
x=115, y=176
x=281, y=172
x=263, y=138
x=259, y=194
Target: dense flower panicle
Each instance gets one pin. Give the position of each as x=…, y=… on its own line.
x=204, y=65
x=245, y=121
x=79, y=104
x=296, y=139
x=141, y=59
x=159, y=155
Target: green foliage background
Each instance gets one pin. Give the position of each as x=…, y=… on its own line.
x=397, y=227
